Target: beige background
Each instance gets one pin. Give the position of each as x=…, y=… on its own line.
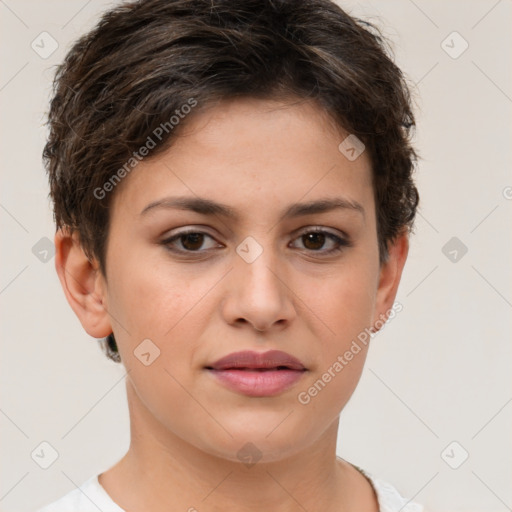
x=438, y=373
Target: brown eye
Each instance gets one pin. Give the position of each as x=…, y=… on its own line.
x=315, y=239
x=192, y=241
x=188, y=242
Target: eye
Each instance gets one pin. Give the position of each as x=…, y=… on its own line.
x=190, y=241
x=315, y=238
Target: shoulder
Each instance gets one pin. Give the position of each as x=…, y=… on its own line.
x=89, y=497
x=389, y=499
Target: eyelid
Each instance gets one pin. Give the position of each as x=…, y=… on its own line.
x=342, y=240
x=339, y=237
x=339, y=233
x=175, y=236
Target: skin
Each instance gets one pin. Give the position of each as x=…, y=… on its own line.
x=258, y=157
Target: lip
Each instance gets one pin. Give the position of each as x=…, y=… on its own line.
x=257, y=360
x=258, y=374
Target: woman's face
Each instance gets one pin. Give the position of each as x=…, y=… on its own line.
x=256, y=280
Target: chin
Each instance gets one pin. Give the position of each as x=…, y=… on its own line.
x=255, y=446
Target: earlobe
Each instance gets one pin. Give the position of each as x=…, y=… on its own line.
x=82, y=283
x=389, y=279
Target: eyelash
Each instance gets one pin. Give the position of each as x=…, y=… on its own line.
x=342, y=243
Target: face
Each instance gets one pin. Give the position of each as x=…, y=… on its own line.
x=260, y=275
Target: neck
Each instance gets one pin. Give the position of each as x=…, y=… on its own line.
x=163, y=472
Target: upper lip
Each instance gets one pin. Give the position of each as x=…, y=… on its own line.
x=264, y=360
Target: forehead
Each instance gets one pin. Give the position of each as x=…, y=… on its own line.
x=251, y=154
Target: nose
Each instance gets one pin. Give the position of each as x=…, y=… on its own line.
x=257, y=294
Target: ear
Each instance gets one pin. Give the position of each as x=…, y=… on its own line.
x=389, y=279
x=83, y=284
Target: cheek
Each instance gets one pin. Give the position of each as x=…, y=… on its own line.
x=156, y=302
x=345, y=303
x=153, y=304
x=149, y=299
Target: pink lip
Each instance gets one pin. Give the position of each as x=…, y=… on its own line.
x=258, y=374
x=257, y=360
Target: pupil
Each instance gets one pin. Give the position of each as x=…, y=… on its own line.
x=196, y=239
x=318, y=237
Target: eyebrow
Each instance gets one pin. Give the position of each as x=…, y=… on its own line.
x=208, y=207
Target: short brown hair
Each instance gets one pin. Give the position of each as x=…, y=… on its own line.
x=145, y=60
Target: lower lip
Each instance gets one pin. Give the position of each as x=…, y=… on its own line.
x=258, y=383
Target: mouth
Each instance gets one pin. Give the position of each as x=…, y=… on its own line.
x=254, y=369
x=258, y=374
x=272, y=360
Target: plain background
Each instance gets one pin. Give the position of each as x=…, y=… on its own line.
x=438, y=373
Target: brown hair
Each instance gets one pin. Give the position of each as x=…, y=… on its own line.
x=124, y=82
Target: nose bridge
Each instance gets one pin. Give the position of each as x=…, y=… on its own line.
x=257, y=293
x=257, y=264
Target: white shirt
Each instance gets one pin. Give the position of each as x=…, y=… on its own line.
x=92, y=497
